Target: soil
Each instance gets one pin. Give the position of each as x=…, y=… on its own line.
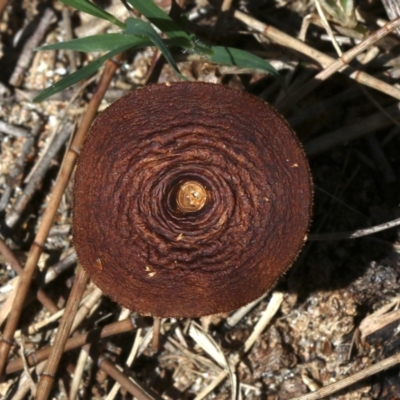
x=323, y=330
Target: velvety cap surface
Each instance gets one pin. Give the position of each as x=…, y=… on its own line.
x=190, y=199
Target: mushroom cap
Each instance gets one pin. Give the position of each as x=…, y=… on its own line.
x=131, y=230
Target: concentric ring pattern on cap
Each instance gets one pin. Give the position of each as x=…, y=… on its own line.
x=140, y=248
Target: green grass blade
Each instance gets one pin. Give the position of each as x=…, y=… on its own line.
x=136, y=26
x=240, y=58
x=161, y=20
x=200, y=46
x=89, y=8
x=106, y=42
x=79, y=75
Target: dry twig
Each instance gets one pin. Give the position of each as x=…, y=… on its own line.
x=29, y=47
x=63, y=331
x=344, y=383
x=324, y=60
x=61, y=183
x=354, y=234
x=341, y=63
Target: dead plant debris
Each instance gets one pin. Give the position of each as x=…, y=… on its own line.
x=331, y=326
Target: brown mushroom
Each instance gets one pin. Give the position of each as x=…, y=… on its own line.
x=190, y=199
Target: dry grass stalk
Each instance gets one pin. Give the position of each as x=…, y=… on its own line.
x=128, y=383
x=59, y=187
x=26, y=56
x=131, y=357
x=355, y=234
x=380, y=318
x=88, y=337
x=86, y=307
x=272, y=308
x=73, y=343
x=37, y=174
x=344, y=383
x=17, y=267
x=324, y=60
x=24, y=386
x=79, y=370
x=341, y=62
x=63, y=331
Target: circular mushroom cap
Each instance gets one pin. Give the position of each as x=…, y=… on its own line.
x=190, y=199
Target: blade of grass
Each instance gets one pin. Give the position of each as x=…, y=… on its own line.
x=200, y=46
x=79, y=75
x=89, y=8
x=240, y=58
x=136, y=26
x=161, y=20
x=106, y=42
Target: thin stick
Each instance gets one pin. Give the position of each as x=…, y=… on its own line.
x=156, y=333
x=235, y=318
x=50, y=212
x=16, y=173
x=66, y=16
x=12, y=130
x=60, y=135
x=266, y=317
x=89, y=337
x=78, y=373
x=131, y=357
x=365, y=373
x=17, y=267
x=273, y=306
x=24, y=386
x=341, y=62
x=354, y=234
x=64, y=329
x=29, y=48
x=86, y=306
x=392, y=9
x=324, y=60
x=61, y=266
x=327, y=27
x=133, y=387
x=40, y=170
